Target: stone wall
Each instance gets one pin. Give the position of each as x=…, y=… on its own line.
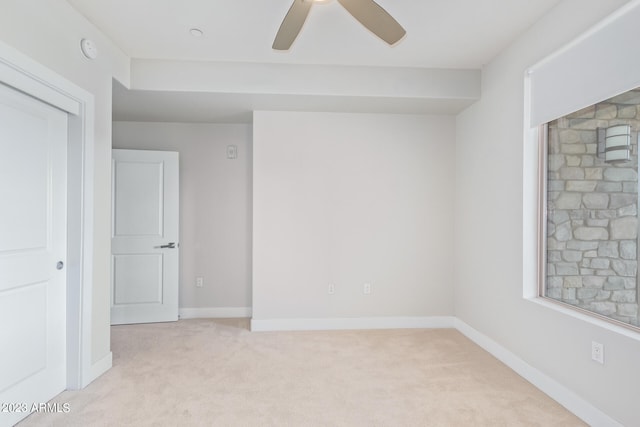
x=592, y=213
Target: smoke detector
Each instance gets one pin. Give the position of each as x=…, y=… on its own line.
x=89, y=49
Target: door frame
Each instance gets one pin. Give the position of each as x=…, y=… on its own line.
x=24, y=74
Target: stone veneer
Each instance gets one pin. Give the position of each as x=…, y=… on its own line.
x=592, y=213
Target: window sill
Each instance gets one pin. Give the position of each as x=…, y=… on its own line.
x=603, y=322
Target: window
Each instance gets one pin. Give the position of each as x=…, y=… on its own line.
x=591, y=209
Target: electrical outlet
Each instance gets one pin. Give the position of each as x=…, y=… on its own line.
x=199, y=282
x=332, y=289
x=367, y=288
x=597, y=352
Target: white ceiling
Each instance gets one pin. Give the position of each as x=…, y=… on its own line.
x=440, y=33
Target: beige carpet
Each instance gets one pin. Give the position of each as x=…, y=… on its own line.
x=216, y=373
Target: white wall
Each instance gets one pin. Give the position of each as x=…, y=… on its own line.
x=215, y=207
x=49, y=31
x=489, y=230
x=348, y=199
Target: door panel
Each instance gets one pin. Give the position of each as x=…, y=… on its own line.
x=24, y=224
x=138, y=279
x=138, y=199
x=33, y=144
x=31, y=338
x=145, y=218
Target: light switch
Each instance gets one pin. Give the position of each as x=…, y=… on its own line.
x=232, y=151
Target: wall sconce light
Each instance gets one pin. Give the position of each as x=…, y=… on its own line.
x=614, y=143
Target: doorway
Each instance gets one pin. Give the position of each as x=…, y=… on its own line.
x=145, y=236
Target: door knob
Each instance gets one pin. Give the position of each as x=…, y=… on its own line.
x=59, y=265
x=170, y=245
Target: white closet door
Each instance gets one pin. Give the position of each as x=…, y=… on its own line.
x=33, y=246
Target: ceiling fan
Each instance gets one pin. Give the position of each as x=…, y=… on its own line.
x=368, y=12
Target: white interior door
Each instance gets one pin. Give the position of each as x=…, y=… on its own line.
x=33, y=152
x=144, y=245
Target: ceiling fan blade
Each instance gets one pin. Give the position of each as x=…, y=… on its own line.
x=292, y=24
x=375, y=18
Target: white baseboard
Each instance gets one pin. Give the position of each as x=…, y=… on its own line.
x=352, y=323
x=97, y=369
x=213, y=312
x=561, y=394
